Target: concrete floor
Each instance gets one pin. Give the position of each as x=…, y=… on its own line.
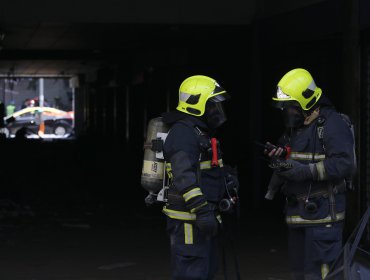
x=134, y=248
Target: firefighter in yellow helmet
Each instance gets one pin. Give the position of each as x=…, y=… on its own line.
x=194, y=164
x=313, y=174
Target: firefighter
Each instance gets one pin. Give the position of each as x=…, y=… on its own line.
x=314, y=175
x=194, y=166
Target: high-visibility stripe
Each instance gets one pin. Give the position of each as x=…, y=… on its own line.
x=169, y=170
x=179, y=215
x=199, y=206
x=203, y=165
x=324, y=270
x=219, y=219
x=208, y=164
x=306, y=156
x=192, y=193
x=188, y=232
x=300, y=220
x=321, y=172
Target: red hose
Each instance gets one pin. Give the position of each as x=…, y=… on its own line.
x=214, y=152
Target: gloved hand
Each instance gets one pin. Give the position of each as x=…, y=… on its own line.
x=206, y=220
x=275, y=183
x=298, y=172
x=196, y=203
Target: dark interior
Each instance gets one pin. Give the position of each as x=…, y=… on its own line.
x=84, y=195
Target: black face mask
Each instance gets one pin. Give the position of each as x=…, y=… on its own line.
x=293, y=117
x=214, y=114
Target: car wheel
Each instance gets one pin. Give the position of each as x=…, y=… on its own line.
x=5, y=131
x=61, y=129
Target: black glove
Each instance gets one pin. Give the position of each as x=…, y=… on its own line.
x=298, y=172
x=206, y=220
x=275, y=183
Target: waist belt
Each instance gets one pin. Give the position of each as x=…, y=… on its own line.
x=318, y=193
x=299, y=220
x=340, y=188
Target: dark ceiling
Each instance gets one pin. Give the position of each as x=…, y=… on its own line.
x=54, y=48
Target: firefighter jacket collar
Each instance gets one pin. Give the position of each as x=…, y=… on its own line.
x=313, y=116
x=174, y=116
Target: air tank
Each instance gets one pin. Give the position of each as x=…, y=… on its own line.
x=152, y=174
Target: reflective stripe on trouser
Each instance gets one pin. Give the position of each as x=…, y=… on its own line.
x=324, y=270
x=198, y=260
x=310, y=247
x=188, y=233
x=300, y=220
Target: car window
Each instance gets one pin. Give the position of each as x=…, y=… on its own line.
x=28, y=114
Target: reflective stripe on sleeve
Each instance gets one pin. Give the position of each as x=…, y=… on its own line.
x=199, y=206
x=192, y=193
x=306, y=156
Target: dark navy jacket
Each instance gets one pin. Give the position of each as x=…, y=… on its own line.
x=187, y=148
x=334, y=149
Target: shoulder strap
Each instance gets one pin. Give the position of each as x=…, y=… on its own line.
x=320, y=130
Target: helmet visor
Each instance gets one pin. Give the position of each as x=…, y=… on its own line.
x=219, y=94
x=285, y=104
x=215, y=114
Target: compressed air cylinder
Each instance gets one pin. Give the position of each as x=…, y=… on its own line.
x=152, y=174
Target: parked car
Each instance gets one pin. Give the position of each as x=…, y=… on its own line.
x=57, y=122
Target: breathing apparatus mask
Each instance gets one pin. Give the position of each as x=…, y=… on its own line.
x=293, y=117
x=214, y=114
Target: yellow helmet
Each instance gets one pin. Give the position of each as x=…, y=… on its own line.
x=195, y=91
x=297, y=85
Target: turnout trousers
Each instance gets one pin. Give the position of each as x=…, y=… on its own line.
x=194, y=256
x=313, y=249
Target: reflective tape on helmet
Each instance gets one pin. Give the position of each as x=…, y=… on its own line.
x=306, y=156
x=188, y=233
x=208, y=164
x=179, y=215
x=300, y=220
x=192, y=193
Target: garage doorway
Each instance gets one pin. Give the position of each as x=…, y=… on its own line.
x=37, y=107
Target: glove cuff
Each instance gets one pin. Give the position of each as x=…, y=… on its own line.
x=319, y=171
x=194, y=199
x=313, y=171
